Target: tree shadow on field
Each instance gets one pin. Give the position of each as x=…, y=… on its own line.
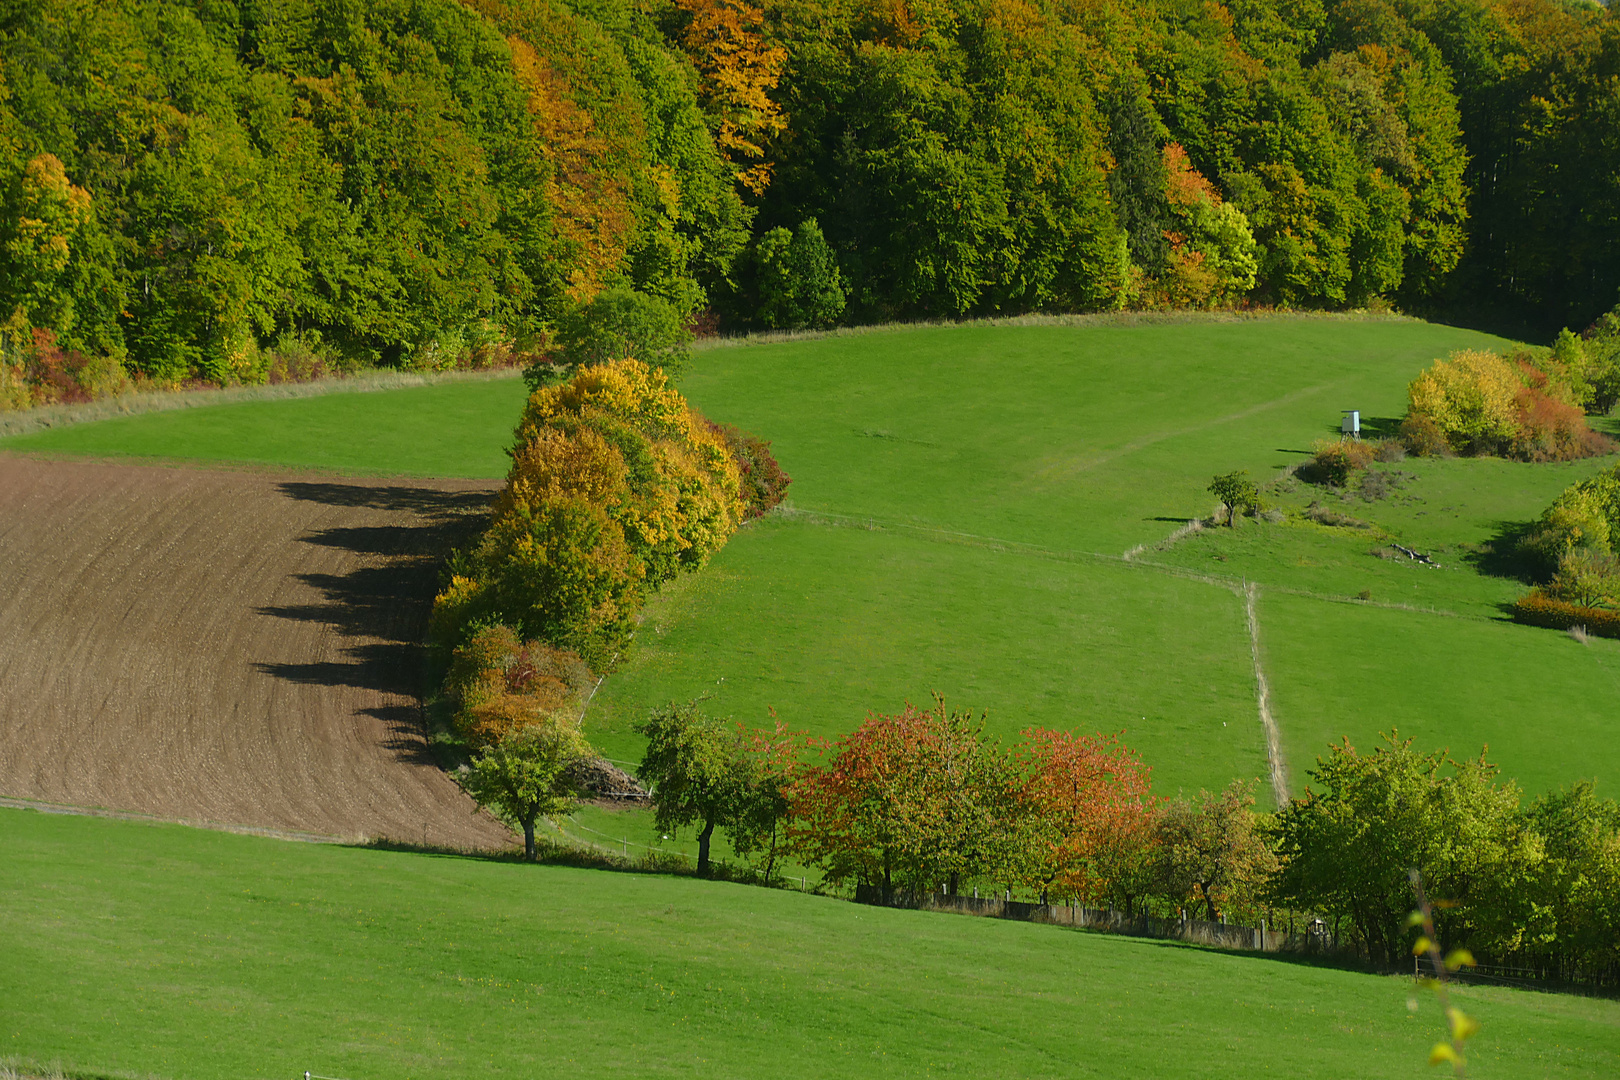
x=381, y=606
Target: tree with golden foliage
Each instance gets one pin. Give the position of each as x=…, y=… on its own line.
x=739, y=68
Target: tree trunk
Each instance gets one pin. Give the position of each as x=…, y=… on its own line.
x=956, y=880
x=703, y=848
x=528, y=837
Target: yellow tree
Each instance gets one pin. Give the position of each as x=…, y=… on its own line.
x=739, y=68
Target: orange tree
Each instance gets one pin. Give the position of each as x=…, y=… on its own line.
x=916, y=800
x=1086, y=804
x=616, y=486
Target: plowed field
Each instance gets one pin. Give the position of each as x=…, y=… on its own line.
x=232, y=647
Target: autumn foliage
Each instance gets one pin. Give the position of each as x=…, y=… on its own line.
x=616, y=486
x=1478, y=402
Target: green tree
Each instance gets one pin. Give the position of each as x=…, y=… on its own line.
x=1237, y=493
x=619, y=323
x=1212, y=850
x=797, y=279
x=1347, y=846
x=700, y=772
x=1587, y=578
x=524, y=776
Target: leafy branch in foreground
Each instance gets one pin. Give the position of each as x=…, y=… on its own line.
x=1460, y=1027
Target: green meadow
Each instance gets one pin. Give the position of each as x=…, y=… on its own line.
x=456, y=428
x=983, y=511
x=139, y=950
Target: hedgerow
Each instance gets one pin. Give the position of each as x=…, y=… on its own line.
x=1523, y=406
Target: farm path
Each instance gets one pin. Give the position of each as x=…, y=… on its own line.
x=229, y=647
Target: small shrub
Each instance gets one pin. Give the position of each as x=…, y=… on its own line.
x=1422, y=436
x=764, y=484
x=1389, y=450
x=1578, y=633
x=1334, y=463
x=1324, y=515
x=1376, y=485
x=1364, y=594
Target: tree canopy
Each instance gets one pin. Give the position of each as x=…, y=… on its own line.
x=190, y=187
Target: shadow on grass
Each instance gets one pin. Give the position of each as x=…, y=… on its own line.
x=551, y=853
x=1502, y=556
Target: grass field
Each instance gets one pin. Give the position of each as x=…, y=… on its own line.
x=962, y=500
x=448, y=429
x=142, y=950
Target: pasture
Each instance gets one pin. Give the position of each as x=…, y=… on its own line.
x=982, y=511
x=146, y=950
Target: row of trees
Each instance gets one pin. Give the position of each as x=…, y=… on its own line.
x=924, y=800
x=190, y=187
x=616, y=486
x=193, y=189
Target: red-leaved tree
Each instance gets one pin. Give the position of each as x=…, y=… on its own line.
x=1087, y=820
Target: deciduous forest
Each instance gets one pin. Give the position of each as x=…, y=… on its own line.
x=235, y=192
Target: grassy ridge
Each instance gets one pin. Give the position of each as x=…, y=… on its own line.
x=447, y=429
x=178, y=952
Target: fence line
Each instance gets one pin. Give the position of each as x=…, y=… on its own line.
x=1203, y=932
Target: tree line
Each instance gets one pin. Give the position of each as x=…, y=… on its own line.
x=208, y=191
x=924, y=800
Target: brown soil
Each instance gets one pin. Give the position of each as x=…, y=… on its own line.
x=233, y=647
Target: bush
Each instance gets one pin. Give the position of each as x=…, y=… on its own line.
x=617, y=324
x=1525, y=407
x=764, y=484
x=1334, y=463
x=499, y=683
x=1551, y=426
x=1601, y=344
x=1469, y=398
x=1536, y=608
x=1584, y=516
x=1423, y=437
x=1587, y=578
x=616, y=485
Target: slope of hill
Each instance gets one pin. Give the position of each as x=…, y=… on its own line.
x=964, y=499
x=160, y=951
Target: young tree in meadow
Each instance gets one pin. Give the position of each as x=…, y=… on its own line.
x=1237, y=493
x=524, y=776
x=1082, y=795
x=1212, y=851
x=758, y=829
x=701, y=774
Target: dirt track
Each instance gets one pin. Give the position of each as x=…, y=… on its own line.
x=227, y=646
